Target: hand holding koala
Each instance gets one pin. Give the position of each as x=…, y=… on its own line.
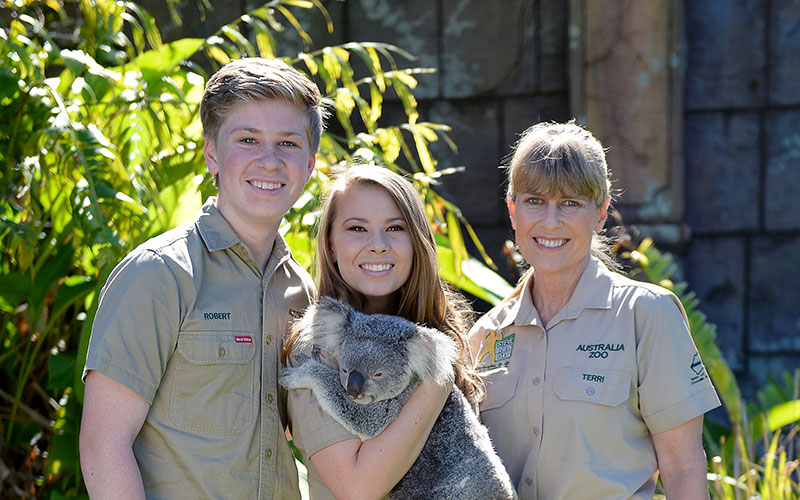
x=382, y=360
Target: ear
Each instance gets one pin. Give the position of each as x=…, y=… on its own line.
x=210, y=154
x=602, y=216
x=311, y=162
x=323, y=324
x=511, y=211
x=431, y=354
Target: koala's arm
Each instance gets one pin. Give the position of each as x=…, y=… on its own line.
x=365, y=421
x=371, y=468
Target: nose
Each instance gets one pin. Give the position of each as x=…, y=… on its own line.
x=551, y=216
x=355, y=383
x=378, y=243
x=268, y=156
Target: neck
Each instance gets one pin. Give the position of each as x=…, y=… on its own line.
x=258, y=236
x=551, y=292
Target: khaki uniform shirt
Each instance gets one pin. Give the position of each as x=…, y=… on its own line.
x=571, y=405
x=313, y=429
x=190, y=323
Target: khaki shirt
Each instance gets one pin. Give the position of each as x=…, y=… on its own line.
x=571, y=405
x=313, y=429
x=189, y=322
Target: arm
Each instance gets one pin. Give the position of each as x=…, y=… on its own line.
x=112, y=417
x=370, y=469
x=682, y=461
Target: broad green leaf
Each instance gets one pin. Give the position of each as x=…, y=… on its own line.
x=156, y=63
x=72, y=290
x=783, y=414
x=14, y=287
x=59, y=371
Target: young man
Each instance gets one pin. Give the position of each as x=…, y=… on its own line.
x=182, y=399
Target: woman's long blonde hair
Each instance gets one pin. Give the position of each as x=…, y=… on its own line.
x=424, y=297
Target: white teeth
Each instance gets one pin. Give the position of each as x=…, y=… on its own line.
x=376, y=267
x=550, y=243
x=266, y=185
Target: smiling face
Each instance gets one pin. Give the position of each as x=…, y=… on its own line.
x=263, y=159
x=554, y=232
x=371, y=246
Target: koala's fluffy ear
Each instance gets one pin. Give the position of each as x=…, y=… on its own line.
x=323, y=324
x=431, y=354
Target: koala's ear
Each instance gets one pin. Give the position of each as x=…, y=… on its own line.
x=323, y=324
x=431, y=354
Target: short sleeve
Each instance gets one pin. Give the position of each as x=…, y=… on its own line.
x=136, y=326
x=312, y=428
x=673, y=384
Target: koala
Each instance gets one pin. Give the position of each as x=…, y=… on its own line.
x=382, y=359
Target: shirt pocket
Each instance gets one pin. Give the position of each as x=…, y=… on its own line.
x=213, y=388
x=591, y=412
x=500, y=388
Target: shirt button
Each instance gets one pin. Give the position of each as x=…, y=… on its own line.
x=269, y=339
x=221, y=352
x=590, y=391
x=535, y=431
x=269, y=398
x=268, y=453
x=528, y=481
x=536, y=380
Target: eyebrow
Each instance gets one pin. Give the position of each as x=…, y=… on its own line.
x=254, y=130
x=362, y=219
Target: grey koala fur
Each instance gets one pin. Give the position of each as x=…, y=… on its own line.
x=382, y=359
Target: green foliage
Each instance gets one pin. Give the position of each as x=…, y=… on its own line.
x=101, y=148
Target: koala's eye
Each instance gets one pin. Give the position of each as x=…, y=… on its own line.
x=344, y=370
x=378, y=374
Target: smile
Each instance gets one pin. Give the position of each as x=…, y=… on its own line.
x=268, y=186
x=551, y=243
x=376, y=267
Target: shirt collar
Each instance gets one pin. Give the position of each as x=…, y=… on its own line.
x=593, y=291
x=216, y=232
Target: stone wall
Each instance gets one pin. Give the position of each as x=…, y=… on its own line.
x=742, y=163
x=708, y=161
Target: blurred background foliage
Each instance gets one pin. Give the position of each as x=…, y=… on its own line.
x=101, y=148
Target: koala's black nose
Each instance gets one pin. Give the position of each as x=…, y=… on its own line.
x=355, y=382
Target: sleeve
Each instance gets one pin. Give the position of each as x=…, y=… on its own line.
x=673, y=384
x=137, y=323
x=312, y=428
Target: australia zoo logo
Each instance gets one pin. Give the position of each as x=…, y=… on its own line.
x=600, y=351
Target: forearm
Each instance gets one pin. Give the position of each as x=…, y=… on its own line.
x=689, y=482
x=110, y=472
x=682, y=461
x=371, y=468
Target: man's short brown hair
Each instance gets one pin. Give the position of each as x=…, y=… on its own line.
x=256, y=79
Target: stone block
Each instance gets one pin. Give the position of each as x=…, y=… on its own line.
x=478, y=190
x=722, y=171
x=782, y=177
x=774, y=316
x=725, y=54
x=762, y=367
x=488, y=47
x=552, y=42
x=716, y=273
x=784, y=52
x=411, y=25
x=630, y=99
x=519, y=113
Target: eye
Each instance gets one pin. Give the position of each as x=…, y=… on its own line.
x=571, y=203
x=247, y=140
x=396, y=227
x=533, y=200
x=378, y=374
x=344, y=370
x=290, y=144
x=356, y=228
